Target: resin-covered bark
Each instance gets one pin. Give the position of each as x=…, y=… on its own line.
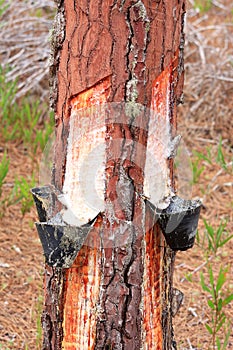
x=118, y=292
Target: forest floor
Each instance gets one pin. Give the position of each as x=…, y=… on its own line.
x=206, y=126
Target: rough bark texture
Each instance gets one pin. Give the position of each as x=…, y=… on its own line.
x=115, y=297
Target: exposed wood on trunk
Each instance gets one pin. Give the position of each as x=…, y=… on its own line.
x=117, y=295
x=81, y=297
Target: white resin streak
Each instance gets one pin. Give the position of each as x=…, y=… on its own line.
x=157, y=175
x=83, y=187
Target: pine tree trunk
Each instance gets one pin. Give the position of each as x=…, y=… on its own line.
x=115, y=296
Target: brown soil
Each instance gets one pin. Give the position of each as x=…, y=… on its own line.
x=21, y=265
x=209, y=79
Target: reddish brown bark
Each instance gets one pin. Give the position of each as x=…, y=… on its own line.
x=109, y=51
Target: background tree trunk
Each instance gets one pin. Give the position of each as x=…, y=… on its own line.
x=115, y=297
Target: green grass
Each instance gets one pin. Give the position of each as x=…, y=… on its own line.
x=4, y=168
x=213, y=238
x=203, y=5
x=217, y=238
x=220, y=158
x=216, y=162
x=21, y=193
x=39, y=330
x=9, y=346
x=20, y=122
x=3, y=8
x=217, y=300
x=210, y=158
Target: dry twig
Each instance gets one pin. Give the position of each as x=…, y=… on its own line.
x=24, y=44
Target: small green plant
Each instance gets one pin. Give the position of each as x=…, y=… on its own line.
x=189, y=277
x=7, y=93
x=200, y=161
x=4, y=168
x=220, y=159
x=202, y=156
x=203, y=5
x=38, y=321
x=217, y=300
x=3, y=8
x=201, y=239
x=197, y=170
x=28, y=115
x=21, y=193
x=42, y=136
x=217, y=238
x=9, y=345
x=20, y=121
x=2, y=348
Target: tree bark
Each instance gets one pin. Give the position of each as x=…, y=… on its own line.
x=116, y=296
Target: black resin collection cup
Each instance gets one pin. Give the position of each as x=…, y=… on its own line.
x=61, y=242
x=179, y=222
